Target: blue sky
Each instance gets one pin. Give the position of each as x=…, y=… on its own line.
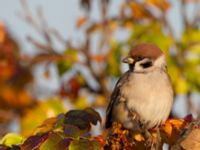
x=61, y=15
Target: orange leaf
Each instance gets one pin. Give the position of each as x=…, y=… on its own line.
x=171, y=130
x=15, y=98
x=81, y=21
x=161, y=4
x=99, y=58
x=2, y=32
x=173, y=123
x=138, y=11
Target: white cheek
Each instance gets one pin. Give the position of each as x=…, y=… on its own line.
x=160, y=62
x=138, y=67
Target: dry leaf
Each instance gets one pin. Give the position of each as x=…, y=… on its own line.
x=192, y=142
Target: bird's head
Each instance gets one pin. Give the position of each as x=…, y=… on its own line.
x=145, y=57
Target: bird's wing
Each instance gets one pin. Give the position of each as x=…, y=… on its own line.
x=115, y=97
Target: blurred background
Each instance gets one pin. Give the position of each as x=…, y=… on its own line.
x=62, y=55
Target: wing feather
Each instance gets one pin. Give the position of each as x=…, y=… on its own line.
x=115, y=97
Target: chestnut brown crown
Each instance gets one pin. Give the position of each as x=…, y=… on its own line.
x=145, y=50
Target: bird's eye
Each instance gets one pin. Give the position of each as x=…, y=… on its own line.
x=146, y=64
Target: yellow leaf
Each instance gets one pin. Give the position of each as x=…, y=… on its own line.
x=100, y=101
x=12, y=139
x=181, y=85
x=81, y=102
x=139, y=137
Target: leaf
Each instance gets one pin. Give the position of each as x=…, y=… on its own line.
x=161, y=4
x=34, y=142
x=15, y=98
x=55, y=141
x=101, y=140
x=138, y=11
x=188, y=118
x=171, y=129
x=85, y=144
x=181, y=85
x=82, y=118
x=139, y=137
x=151, y=33
x=195, y=49
x=71, y=131
x=66, y=64
x=192, y=141
x=94, y=115
x=191, y=35
x=2, y=32
x=81, y=102
x=94, y=27
x=113, y=65
x=81, y=21
x=63, y=66
x=100, y=101
x=71, y=88
x=46, y=126
x=12, y=139
x=7, y=70
x=44, y=109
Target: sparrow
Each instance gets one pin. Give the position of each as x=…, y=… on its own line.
x=143, y=96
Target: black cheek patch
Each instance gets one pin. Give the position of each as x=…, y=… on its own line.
x=146, y=64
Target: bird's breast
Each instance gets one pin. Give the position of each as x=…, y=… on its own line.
x=150, y=95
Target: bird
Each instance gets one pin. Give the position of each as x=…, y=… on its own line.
x=143, y=95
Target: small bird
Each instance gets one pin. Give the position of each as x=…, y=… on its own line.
x=143, y=96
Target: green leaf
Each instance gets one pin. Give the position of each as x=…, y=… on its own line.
x=71, y=56
x=64, y=66
x=12, y=139
x=151, y=33
x=113, y=65
x=55, y=141
x=84, y=144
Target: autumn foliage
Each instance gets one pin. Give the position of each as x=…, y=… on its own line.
x=87, y=71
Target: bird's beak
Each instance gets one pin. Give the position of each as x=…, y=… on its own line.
x=128, y=60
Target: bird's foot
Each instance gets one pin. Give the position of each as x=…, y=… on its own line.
x=153, y=140
x=150, y=142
